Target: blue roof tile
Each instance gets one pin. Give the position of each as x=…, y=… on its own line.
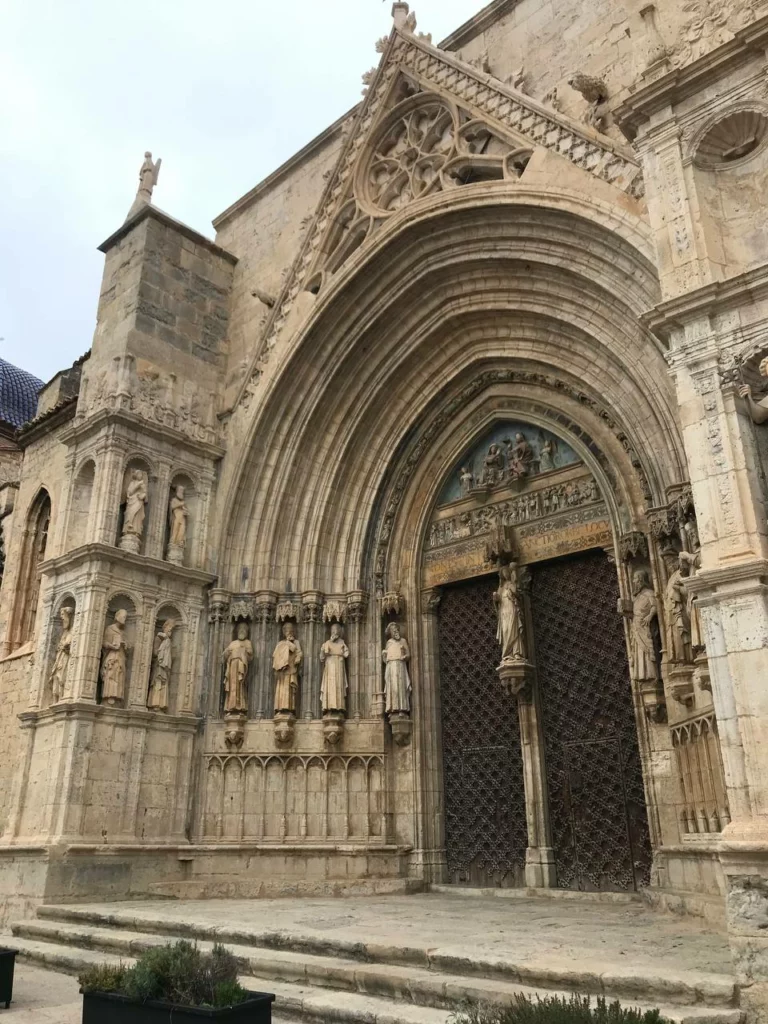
x=18, y=394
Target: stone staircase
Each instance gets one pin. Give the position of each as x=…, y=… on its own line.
x=328, y=979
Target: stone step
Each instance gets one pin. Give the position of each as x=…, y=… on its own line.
x=655, y=983
x=292, y=1002
x=570, y=895
x=412, y=985
x=218, y=887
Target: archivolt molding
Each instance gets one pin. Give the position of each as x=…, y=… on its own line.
x=488, y=108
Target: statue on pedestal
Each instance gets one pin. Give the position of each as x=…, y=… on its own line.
x=758, y=410
x=237, y=658
x=644, y=610
x=178, y=513
x=677, y=614
x=135, y=511
x=286, y=659
x=159, y=683
x=60, y=668
x=511, y=630
x=397, y=682
x=114, y=665
x=333, y=656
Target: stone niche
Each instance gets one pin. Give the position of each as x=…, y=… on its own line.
x=517, y=475
x=118, y=665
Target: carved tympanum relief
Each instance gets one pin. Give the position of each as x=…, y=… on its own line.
x=237, y=658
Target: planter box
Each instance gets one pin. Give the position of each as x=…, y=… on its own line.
x=7, y=964
x=100, y=1007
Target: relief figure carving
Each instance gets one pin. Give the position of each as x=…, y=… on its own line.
x=758, y=410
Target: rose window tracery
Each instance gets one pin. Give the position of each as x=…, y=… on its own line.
x=427, y=145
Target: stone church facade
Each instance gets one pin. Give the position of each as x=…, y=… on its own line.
x=414, y=530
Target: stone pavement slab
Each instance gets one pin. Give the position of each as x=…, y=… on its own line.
x=43, y=997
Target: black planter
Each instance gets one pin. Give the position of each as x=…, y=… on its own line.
x=7, y=963
x=100, y=1007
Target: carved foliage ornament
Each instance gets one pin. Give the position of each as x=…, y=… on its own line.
x=710, y=23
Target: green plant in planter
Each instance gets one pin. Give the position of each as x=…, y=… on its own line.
x=178, y=973
x=555, y=1010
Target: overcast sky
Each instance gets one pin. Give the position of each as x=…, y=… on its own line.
x=223, y=91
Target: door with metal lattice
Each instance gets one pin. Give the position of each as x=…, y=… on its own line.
x=596, y=796
x=485, y=821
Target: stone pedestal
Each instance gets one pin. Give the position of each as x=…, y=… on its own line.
x=681, y=683
x=333, y=727
x=540, y=871
x=235, y=731
x=401, y=726
x=175, y=554
x=516, y=676
x=130, y=542
x=285, y=727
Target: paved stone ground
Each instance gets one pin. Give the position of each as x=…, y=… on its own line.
x=530, y=930
x=43, y=997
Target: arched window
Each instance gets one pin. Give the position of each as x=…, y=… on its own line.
x=33, y=555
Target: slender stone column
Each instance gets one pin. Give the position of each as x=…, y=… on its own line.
x=357, y=603
x=312, y=614
x=264, y=619
x=218, y=618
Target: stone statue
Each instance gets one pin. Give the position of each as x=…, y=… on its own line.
x=511, y=630
x=237, y=659
x=333, y=656
x=678, y=623
x=397, y=682
x=286, y=659
x=114, y=665
x=644, y=611
x=757, y=410
x=60, y=668
x=135, y=511
x=493, y=466
x=520, y=456
x=547, y=456
x=692, y=564
x=160, y=679
x=467, y=480
x=178, y=513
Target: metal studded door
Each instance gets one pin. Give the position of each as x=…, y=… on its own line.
x=596, y=796
x=485, y=822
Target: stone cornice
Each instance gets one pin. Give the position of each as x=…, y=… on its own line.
x=152, y=212
x=331, y=132
x=706, y=301
x=677, y=85
x=741, y=576
x=43, y=425
x=160, y=431
x=84, y=710
x=105, y=552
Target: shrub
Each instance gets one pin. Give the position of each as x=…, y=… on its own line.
x=555, y=1010
x=176, y=973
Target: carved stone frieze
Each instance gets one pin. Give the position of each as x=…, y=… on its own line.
x=154, y=396
x=335, y=610
x=514, y=512
x=242, y=607
x=709, y=24
x=633, y=547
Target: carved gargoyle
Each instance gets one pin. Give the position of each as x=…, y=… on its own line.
x=595, y=92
